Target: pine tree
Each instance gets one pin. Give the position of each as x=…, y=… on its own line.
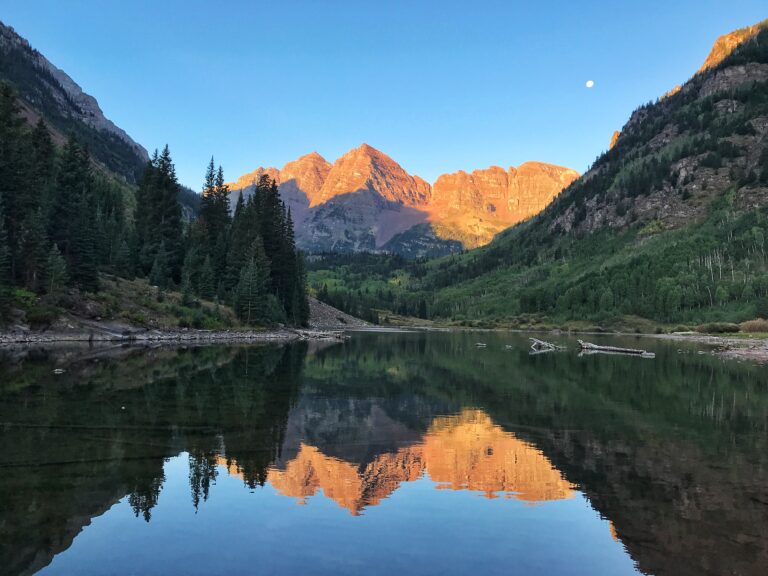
x=158, y=215
x=302, y=316
x=241, y=237
x=251, y=294
x=207, y=281
x=170, y=224
x=71, y=186
x=56, y=277
x=34, y=250
x=83, y=266
x=43, y=168
x=14, y=158
x=123, y=261
x=160, y=274
x=214, y=213
x=5, y=267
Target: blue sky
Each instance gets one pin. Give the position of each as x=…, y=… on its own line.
x=438, y=85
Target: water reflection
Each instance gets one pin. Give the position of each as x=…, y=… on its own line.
x=672, y=453
x=461, y=452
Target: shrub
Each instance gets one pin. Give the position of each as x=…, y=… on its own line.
x=717, y=328
x=42, y=315
x=756, y=325
x=24, y=298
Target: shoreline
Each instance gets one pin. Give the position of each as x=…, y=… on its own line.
x=168, y=336
x=749, y=349
x=742, y=349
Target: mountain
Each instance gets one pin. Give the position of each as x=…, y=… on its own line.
x=47, y=91
x=367, y=201
x=669, y=224
x=474, y=207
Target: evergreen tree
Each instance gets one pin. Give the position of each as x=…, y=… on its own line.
x=170, y=224
x=72, y=185
x=241, y=237
x=214, y=213
x=34, y=250
x=207, y=282
x=42, y=169
x=251, y=294
x=13, y=168
x=56, y=277
x=5, y=267
x=83, y=267
x=160, y=274
x=158, y=215
x=123, y=261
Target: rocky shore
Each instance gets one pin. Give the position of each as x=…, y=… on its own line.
x=171, y=336
x=751, y=349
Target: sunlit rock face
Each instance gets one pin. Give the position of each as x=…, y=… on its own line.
x=366, y=168
x=727, y=43
x=365, y=199
x=463, y=452
x=474, y=207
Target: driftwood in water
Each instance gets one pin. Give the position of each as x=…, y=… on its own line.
x=321, y=335
x=589, y=348
x=539, y=346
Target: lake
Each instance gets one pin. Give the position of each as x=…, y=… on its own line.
x=390, y=453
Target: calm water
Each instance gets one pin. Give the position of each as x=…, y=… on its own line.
x=388, y=454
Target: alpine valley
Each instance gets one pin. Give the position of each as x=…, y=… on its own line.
x=669, y=225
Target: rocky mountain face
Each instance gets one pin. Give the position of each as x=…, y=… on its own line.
x=47, y=91
x=366, y=201
x=673, y=158
x=474, y=207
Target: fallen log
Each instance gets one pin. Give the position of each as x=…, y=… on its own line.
x=589, y=348
x=544, y=346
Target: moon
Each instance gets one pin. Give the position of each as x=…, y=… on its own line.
x=590, y=83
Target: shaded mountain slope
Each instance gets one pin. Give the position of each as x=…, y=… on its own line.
x=47, y=91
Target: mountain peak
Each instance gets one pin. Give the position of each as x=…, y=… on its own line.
x=312, y=156
x=367, y=169
x=727, y=43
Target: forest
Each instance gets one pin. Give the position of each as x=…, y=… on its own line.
x=66, y=222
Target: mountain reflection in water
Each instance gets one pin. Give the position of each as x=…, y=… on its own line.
x=586, y=465
x=462, y=452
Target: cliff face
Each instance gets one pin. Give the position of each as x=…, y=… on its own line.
x=474, y=207
x=367, y=201
x=723, y=47
x=367, y=169
x=47, y=91
x=727, y=43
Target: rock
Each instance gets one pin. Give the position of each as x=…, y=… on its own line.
x=475, y=207
x=324, y=316
x=366, y=199
x=727, y=43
